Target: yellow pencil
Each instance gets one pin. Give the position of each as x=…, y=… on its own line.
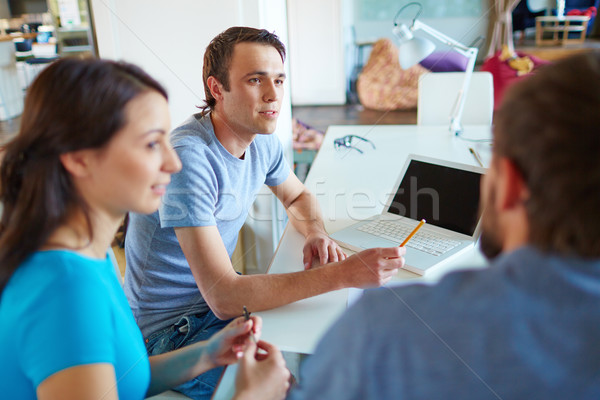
x=476, y=156
x=413, y=233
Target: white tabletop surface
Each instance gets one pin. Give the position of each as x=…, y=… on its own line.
x=351, y=186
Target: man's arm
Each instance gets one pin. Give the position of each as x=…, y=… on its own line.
x=304, y=213
x=226, y=292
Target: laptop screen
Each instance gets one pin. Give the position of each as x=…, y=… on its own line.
x=444, y=196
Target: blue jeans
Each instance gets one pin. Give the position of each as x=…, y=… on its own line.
x=190, y=329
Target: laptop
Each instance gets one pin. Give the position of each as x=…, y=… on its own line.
x=444, y=193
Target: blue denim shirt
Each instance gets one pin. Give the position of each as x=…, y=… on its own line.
x=527, y=327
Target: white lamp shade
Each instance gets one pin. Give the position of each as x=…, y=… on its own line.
x=413, y=51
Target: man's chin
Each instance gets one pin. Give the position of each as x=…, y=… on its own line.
x=266, y=131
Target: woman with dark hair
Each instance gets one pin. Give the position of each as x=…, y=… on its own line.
x=93, y=145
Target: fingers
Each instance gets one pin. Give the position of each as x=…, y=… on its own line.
x=392, y=259
x=307, y=256
x=330, y=251
x=249, y=352
x=266, y=350
x=262, y=374
x=383, y=257
x=256, y=325
x=240, y=326
x=268, y=347
x=376, y=267
x=323, y=254
x=335, y=252
x=239, y=331
x=323, y=248
x=260, y=351
x=392, y=252
x=341, y=255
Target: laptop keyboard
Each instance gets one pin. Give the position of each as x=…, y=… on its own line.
x=424, y=241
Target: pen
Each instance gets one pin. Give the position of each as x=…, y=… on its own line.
x=247, y=317
x=476, y=156
x=413, y=232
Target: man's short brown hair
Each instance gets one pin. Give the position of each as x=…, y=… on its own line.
x=548, y=126
x=218, y=54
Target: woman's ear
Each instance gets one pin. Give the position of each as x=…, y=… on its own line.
x=76, y=162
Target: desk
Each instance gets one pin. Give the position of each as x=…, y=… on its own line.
x=351, y=186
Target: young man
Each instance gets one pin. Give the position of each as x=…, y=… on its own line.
x=179, y=280
x=526, y=327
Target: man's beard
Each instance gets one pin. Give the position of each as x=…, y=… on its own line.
x=489, y=245
x=489, y=242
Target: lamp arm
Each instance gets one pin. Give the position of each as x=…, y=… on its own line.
x=459, y=105
x=471, y=54
x=459, y=47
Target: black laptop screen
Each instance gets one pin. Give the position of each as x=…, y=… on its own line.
x=443, y=196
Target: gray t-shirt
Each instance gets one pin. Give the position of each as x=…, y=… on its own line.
x=214, y=188
x=525, y=328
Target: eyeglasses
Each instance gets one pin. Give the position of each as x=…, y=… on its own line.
x=346, y=141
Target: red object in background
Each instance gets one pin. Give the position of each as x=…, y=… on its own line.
x=504, y=75
x=589, y=12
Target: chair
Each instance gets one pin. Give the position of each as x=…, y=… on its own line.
x=438, y=92
x=29, y=69
x=383, y=85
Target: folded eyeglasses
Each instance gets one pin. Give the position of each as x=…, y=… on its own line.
x=346, y=141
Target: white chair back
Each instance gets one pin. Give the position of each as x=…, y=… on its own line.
x=438, y=92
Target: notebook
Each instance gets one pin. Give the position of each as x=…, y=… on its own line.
x=444, y=193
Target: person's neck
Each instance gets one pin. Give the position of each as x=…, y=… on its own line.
x=234, y=142
x=74, y=234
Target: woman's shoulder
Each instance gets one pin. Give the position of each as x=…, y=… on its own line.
x=60, y=268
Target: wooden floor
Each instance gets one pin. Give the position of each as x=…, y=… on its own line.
x=321, y=117
x=553, y=53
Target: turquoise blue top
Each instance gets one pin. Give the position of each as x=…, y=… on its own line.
x=61, y=309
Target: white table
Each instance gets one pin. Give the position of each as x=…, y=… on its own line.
x=351, y=186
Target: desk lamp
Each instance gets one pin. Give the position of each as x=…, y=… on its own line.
x=414, y=49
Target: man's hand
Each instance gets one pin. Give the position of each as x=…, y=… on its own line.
x=373, y=267
x=320, y=249
x=261, y=375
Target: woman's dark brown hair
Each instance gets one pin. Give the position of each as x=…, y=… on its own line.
x=73, y=104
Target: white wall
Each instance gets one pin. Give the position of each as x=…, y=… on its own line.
x=168, y=39
x=4, y=9
x=316, y=37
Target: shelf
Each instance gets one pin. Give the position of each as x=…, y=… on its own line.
x=76, y=49
x=74, y=29
x=560, y=28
